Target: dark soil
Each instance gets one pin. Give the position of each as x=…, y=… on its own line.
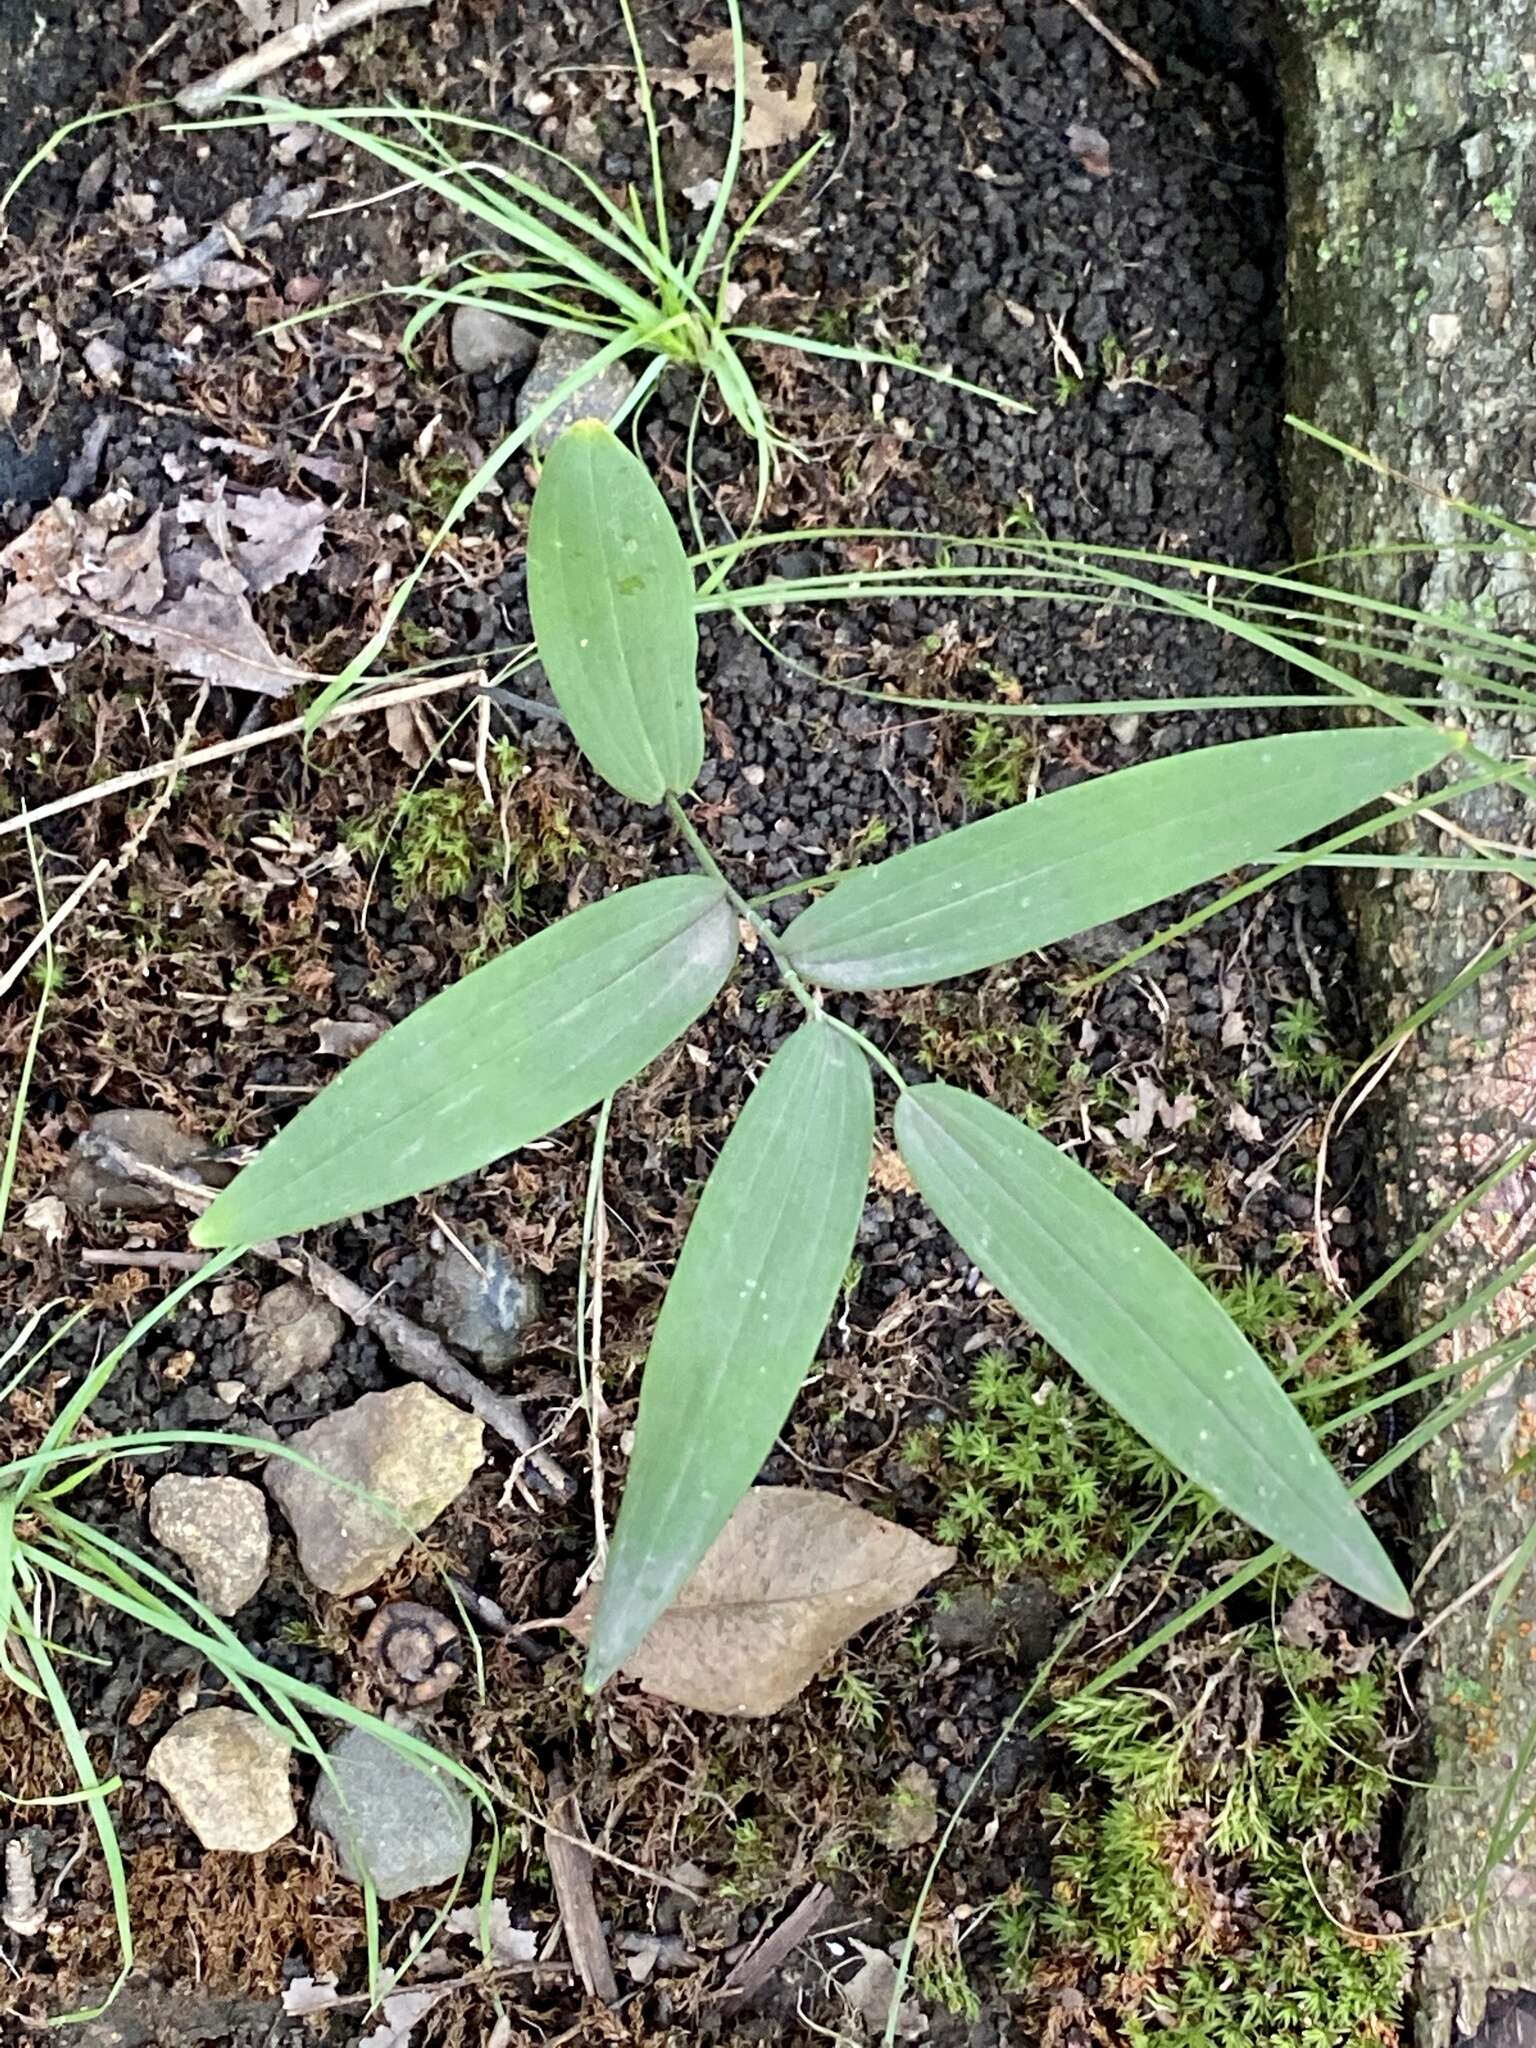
x=953, y=214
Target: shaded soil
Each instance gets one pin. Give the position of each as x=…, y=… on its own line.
x=955, y=213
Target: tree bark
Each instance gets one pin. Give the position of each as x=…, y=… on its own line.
x=1411, y=319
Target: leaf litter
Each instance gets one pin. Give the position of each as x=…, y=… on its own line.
x=789, y=1579
x=180, y=584
x=775, y=115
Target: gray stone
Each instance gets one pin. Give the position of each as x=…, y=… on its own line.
x=600, y=399
x=396, y=1822
x=481, y=1308
x=409, y=1447
x=481, y=339
x=227, y=1775
x=218, y=1528
x=100, y=1173
x=290, y=1331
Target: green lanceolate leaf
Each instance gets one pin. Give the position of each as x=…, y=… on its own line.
x=759, y=1273
x=508, y=1053
x=1043, y=871
x=611, y=595
x=1118, y=1305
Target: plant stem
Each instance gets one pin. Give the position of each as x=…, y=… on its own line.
x=809, y=1001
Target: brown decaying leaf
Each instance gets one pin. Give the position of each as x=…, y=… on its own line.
x=793, y=1574
x=210, y=635
x=774, y=115
x=185, y=598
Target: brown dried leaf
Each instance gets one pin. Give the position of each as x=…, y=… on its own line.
x=309, y=1994
x=129, y=575
x=775, y=115
x=282, y=536
x=406, y=728
x=401, y=2010
x=32, y=652
x=890, y=1173
x=793, y=1575
x=211, y=635
x=781, y=116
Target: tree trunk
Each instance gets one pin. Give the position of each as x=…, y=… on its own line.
x=1411, y=316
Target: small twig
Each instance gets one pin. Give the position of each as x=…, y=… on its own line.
x=759, y=1964
x=570, y=1869
x=224, y=750
x=61, y=915
x=424, y=1357
x=589, y=1363
x=298, y=41
x=150, y=1259
x=471, y=1980
x=413, y=1349
x=1137, y=62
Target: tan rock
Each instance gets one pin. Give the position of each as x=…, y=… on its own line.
x=291, y=1331
x=226, y=1773
x=218, y=1528
x=411, y=1449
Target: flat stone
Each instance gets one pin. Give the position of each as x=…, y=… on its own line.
x=393, y=1821
x=97, y=1179
x=482, y=1309
x=218, y=1528
x=599, y=399
x=480, y=339
x=226, y=1773
x=412, y=1449
x=291, y=1331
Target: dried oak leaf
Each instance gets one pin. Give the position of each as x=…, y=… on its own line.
x=774, y=115
x=791, y=1576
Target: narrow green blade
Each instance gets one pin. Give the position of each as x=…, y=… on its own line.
x=611, y=595
x=508, y=1053
x=1042, y=871
x=1110, y=1296
x=759, y=1272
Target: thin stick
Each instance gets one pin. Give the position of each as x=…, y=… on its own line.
x=298, y=41
x=224, y=750
x=413, y=1349
x=419, y=1353
x=35, y=945
x=1137, y=62
x=569, y=1857
x=589, y=1357
x=150, y=1260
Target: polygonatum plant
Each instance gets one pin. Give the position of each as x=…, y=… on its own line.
x=555, y=1024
